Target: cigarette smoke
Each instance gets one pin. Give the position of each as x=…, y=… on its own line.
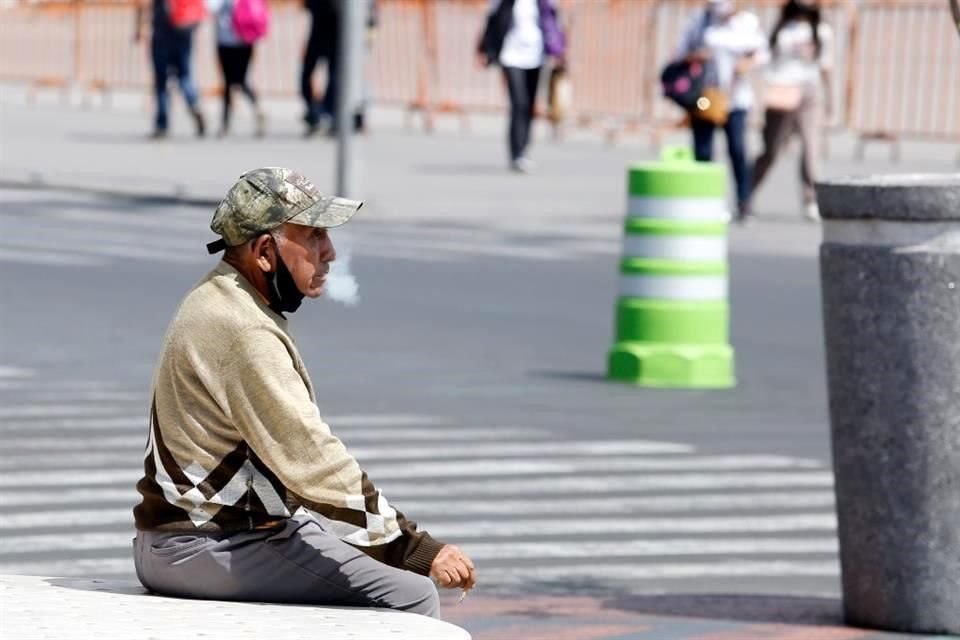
x=341, y=284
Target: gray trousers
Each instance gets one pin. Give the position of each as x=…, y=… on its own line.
x=298, y=562
x=779, y=126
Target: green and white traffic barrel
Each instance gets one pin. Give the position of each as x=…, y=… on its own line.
x=672, y=321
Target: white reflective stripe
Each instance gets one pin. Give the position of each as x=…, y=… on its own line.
x=675, y=247
x=630, y=573
x=674, y=287
x=678, y=208
x=921, y=237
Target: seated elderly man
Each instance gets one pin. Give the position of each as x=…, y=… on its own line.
x=247, y=495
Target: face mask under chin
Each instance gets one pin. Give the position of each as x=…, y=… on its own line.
x=285, y=295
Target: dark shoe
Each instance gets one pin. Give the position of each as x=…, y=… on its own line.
x=158, y=134
x=261, y=126
x=359, y=124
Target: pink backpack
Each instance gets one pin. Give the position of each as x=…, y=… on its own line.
x=251, y=19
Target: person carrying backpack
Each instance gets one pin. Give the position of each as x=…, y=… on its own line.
x=240, y=24
x=171, y=46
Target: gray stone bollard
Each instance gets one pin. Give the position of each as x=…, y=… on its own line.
x=890, y=273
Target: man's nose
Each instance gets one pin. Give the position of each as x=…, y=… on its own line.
x=328, y=253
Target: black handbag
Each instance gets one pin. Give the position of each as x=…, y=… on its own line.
x=684, y=82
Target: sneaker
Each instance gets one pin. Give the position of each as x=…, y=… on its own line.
x=744, y=215
x=261, y=124
x=811, y=211
x=523, y=165
x=159, y=134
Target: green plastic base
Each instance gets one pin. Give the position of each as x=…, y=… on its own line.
x=687, y=366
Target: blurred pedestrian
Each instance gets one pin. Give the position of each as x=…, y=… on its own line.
x=519, y=35
x=729, y=43
x=322, y=44
x=171, y=47
x=797, y=86
x=240, y=23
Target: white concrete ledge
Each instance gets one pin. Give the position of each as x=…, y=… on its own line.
x=37, y=608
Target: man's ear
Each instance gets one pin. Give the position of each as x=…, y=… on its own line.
x=265, y=252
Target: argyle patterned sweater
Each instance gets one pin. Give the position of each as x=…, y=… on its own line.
x=236, y=440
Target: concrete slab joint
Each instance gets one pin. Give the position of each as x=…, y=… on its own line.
x=890, y=275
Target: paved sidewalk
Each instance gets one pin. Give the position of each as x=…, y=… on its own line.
x=658, y=617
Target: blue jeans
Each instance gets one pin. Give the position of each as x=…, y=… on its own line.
x=735, y=129
x=171, y=49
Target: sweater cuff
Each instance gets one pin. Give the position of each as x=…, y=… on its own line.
x=421, y=559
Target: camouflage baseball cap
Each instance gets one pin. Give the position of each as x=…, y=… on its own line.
x=263, y=199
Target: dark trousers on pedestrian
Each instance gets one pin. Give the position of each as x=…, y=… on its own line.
x=171, y=50
x=234, y=63
x=735, y=130
x=522, y=88
x=778, y=127
x=317, y=50
x=296, y=562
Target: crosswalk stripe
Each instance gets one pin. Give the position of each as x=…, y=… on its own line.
x=469, y=468
x=621, y=525
x=59, y=410
x=89, y=567
x=15, y=372
x=100, y=456
x=498, y=487
x=614, y=484
x=643, y=548
x=498, y=529
x=495, y=506
x=622, y=505
x=495, y=466
x=34, y=417
x=60, y=495
x=631, y=573
x=17, y=445
x=120, y=541
x=61, y=258
x=67, y=518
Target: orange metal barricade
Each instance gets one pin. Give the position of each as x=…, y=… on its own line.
x=895, y=73
x=904, y=72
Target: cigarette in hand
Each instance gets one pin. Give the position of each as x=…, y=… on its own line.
x=463, y=596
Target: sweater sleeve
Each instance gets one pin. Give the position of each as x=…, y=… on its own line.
x=270, y=405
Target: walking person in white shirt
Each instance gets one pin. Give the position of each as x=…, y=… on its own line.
x=732, y=43
x=519, y=36
x=798, y=85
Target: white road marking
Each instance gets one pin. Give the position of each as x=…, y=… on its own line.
x=628, y=525
x=631, y=573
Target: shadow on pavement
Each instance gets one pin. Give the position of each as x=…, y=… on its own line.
x=807, y=610
x=570, y=376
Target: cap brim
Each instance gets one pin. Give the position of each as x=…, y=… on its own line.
x=337, y=212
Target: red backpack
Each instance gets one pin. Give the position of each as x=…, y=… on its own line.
x=251, y=19
x=186, y=13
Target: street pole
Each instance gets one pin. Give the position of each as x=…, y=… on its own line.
x=349, y=87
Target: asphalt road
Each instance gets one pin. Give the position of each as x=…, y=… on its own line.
x=469, y=385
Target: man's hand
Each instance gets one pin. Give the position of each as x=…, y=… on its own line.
x=452, y=568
